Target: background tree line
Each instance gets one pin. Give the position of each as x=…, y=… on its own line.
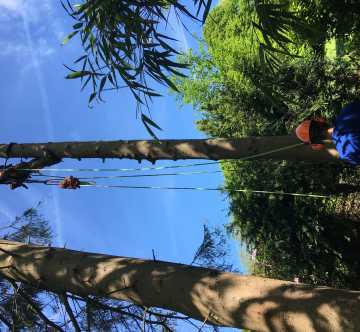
x=262, y=68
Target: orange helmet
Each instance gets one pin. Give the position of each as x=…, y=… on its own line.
x=303, y=132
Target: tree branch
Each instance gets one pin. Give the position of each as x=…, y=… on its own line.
x=35, y=307
x=6, y=322
x=70, y=313
x=114, y=309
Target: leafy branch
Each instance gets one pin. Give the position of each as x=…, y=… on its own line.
x=122, y=42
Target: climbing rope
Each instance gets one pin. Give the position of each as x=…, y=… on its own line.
x=75, y=183
x=133, y=175
x=207, y=189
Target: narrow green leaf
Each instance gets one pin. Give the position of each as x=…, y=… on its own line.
x=102, y=84
x=81, y=58
x=86, y=82
x=146, y=119
x=92, y=96
x=77, y=26
x=77, y=74
x=262, y=57
x=111, y=79
x=153, y=94
x=68, y=37
x=149, y=130
x=206, y=10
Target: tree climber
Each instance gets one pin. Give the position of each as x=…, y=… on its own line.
x=345, y=134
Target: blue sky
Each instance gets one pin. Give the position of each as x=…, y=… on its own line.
x=39, y=105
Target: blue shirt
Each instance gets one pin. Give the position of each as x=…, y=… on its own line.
x=346, y=134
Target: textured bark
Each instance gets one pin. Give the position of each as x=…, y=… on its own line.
x=225, y=299
x=214, y=149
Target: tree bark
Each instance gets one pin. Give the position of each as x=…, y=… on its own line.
x=214, y=149
x=220, y=298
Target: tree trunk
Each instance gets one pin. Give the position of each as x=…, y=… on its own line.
x=225, y=299
x=214, y=149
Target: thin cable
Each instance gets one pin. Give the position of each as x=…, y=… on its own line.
x=206, y=189
x=164, y=167
x=118, y=169
x=139, y=175
x=47, y=176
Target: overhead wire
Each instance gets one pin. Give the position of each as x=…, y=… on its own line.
x=136, y=175
x=121, y=169
x=94, y=184
x=206, y=189
x=53, y=179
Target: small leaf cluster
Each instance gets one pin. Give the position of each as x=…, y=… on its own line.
x=214, y=250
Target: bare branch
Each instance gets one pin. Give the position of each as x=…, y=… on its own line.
x=118, y=310
x=70, y=313
x=35, y=307
x=4, y=320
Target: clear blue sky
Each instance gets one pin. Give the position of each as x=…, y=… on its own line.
x=38, y=104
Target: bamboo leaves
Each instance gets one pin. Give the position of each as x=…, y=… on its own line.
x=277, y=24
x=148, y=123
x=122, y=43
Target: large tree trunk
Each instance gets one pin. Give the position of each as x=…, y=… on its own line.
x=214, y=149
x=225, y=299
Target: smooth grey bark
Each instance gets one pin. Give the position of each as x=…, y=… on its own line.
x=220, y=298
x=214, y=149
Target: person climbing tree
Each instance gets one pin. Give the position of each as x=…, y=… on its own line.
x=345, y=134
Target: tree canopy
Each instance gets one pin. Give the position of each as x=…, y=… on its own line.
x=237, y=96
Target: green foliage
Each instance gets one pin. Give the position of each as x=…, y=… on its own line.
x=271, y=31
x=15, y=310
x=213, y=251
x=287, y=24
x=333, y=17
x=231, y=38
x=294, y=236
x=242, y=33
x=202, y=81
x=29, y=227
x=122, y=41
x=300, y=237
x=283, y=32
x=313, y=87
